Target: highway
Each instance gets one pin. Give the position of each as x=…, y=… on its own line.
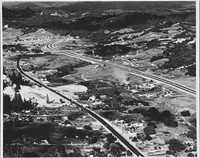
x=132, y=70
x=93, y=114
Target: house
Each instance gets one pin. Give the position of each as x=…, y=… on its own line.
x=122, y=121
x=180, y=40
x=68, y=151
x=65, y=118
x=42, y=119
x=103, y=96
x=158, y=141
x=137, y=124
x=44, y=142
x=158, y=150
x=5, y=26
x=92, y=98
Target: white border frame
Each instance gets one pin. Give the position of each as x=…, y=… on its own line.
x=197, y=61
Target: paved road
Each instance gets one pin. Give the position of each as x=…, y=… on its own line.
x=133, y=71
x=97, y=117
x=6, y=117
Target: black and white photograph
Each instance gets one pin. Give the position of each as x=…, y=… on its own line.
x=99, y=78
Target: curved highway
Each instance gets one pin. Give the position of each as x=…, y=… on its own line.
x=109, y=127
x=133, y=71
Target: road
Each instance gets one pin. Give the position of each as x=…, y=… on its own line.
x=6, y=117
x=133, y=71
x=93, y=114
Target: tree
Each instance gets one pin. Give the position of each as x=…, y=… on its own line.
x=174, y=124
x=169, y=152
x=17, y=102
x=192, y=133
x=153, y=113
x=61, y=150
x=129, y=153
x=106, y=145
x=153, y=43
x=151, y=124
x=114, y=149
x=93, y=140
x=139, y=110
x=132, y=117
x=176, y=146
x=7, y=104
x=97, y=152
x=166, y=115
x=185, y=113
x=148, y=137
x=87, y=127
x=190, y=155
x=4, y=85
x=134, y=139
x=110, y=138
x=36, y=50
x=193, y=120
x=116, y=92
x=120, y=146
x=191, y=70
x=28, y=105
x=31, y=154
x=171, y=123
x=149, y=130
x=84, y=96
x=154, y=58
x=141, y=136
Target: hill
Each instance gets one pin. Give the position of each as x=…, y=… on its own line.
x=133, y=6
x=34, y=5
x=12, y=14
x=85, y=6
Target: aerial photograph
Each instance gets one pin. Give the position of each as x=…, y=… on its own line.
x=99, y=79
